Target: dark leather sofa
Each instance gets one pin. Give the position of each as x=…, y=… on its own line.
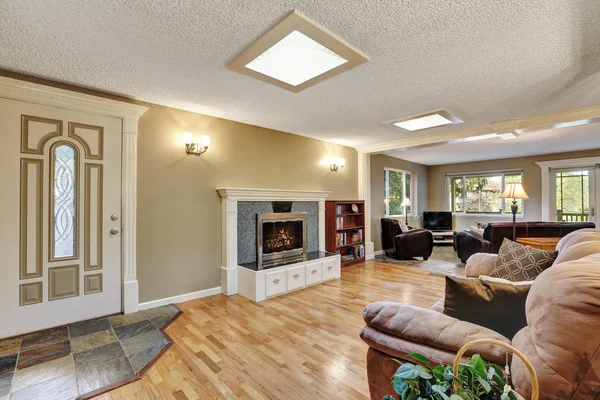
x=468, y=243
x=402, y=245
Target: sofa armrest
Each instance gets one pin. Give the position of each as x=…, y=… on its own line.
x=468, y=243
x=389, y=323
x=480, y=264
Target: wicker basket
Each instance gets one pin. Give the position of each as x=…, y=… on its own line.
x=535, y=388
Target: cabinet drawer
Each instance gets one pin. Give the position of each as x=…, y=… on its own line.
x=296, y=277
x=275, y=283
x=313, y=273
x=329, y=269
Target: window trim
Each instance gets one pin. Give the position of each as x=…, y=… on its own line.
x=413, y=192
x=502, y=213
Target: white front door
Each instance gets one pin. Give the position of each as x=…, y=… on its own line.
x=573, y=194
x=60, y=213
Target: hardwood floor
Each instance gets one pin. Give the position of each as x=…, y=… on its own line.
x=303, y=345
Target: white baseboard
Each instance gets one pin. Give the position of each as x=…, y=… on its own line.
x=379, y=252
x=181, y=298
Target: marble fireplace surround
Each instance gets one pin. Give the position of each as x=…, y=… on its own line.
x=230, y=196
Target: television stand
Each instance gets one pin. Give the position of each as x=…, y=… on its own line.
x=443, y=237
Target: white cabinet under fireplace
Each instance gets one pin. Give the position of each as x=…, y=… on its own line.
x=260, y=285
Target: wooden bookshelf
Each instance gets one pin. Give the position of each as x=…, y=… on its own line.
x=345, y=230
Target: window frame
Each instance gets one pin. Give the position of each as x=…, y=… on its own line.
x=413, y=194
x=502, y=213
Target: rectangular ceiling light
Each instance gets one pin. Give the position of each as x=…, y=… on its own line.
x=424, y=121
x=473, y=138
x=417, y=124
x=296, y=54
x=296, y=59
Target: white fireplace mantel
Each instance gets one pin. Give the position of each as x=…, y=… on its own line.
x=229, y=199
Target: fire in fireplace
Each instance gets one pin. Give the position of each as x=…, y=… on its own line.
x=281, y=238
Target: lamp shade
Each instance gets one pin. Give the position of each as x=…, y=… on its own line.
x=406, y=202
x=514, y=191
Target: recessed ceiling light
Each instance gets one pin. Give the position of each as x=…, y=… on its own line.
x=296, y=54
x=474, y=138
x=295, y=59
x=509, y=135
x=572, y=123
x=424, y=121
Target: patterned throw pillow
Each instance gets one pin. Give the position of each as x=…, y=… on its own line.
x=516, y=262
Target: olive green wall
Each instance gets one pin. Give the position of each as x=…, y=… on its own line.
x=532, y=181
x=179, y=209
x=378, y=165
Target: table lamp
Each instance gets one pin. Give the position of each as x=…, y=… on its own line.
x=514, y=191
x=406, y=203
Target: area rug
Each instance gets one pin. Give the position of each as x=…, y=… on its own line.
x=443, y=260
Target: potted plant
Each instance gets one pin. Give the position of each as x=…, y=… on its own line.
x=475, y=380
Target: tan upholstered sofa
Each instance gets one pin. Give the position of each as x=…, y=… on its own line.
x=562, y=339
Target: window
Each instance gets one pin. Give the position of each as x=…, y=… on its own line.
x=398, y=186
x=573, y=195
x=480, y=193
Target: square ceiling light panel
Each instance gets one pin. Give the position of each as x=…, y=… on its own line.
x=296, y=54
x=428, y=120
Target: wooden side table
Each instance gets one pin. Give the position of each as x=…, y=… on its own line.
x=542, y=243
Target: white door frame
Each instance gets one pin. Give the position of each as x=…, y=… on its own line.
x=129, y=113
x=546, y=166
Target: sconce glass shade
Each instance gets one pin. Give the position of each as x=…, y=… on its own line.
x=337, y=164
x=187, y=137
x=205, y=141
x=406, y=202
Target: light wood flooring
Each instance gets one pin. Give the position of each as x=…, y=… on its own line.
x=303, y=345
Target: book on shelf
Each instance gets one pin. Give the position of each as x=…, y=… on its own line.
x=354, y=253
x=340, y=238
x=339, y=223
x=338, y=209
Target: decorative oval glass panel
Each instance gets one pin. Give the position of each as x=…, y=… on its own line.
x=64, y=190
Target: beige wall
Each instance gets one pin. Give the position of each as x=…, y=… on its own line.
x=378, y=164
x=531, y=181
x=179, y=209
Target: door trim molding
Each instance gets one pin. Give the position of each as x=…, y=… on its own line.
x=546, y=166
x=129, y=113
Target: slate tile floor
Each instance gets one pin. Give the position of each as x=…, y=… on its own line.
x=71, y=361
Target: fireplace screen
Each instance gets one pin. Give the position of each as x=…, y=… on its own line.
x=281, y=238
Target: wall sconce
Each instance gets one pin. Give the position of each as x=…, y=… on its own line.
x=337, y=164
x=195, y=148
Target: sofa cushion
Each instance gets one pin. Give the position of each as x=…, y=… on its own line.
x=579, y=236
x=516, y=262
x=577, y=251
x=499, y=306
x=426, y=327
x=563, y=316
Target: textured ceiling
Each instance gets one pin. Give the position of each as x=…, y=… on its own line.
x=484, y=60
x=550, y=141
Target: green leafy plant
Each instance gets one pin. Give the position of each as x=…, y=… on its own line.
x=477, y=380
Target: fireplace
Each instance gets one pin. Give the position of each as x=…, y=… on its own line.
x=281, y=238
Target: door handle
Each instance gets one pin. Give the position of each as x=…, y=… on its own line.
x=114, y=231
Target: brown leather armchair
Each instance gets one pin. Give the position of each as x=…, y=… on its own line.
x=402, y=245
x=560, y=339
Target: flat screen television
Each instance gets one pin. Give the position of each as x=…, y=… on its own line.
x=437, y=220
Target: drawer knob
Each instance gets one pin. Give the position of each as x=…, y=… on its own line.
x=276, y=281
x=296, y=276
x=314, y=271
x=329, y=268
